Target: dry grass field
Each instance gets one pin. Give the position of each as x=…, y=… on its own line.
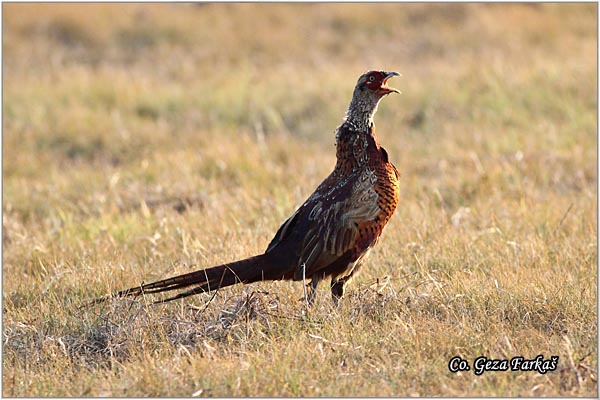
x=142, y=141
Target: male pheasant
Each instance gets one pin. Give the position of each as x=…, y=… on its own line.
x=335, y=228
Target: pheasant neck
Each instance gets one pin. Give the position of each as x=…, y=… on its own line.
x=361, y=110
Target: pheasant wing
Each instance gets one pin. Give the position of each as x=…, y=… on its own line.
x=326, y=227
x=334, y=226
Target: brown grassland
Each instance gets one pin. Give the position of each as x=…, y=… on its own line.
x=142, y=141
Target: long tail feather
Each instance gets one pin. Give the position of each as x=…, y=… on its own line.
x=244, y=271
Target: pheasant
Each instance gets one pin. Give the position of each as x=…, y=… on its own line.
x=336, y=227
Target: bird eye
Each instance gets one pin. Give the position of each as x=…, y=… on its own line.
x=371, y=78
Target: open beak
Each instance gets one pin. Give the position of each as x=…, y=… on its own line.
x=384, y=85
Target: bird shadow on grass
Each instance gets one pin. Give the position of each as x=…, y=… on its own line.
x=126, y=329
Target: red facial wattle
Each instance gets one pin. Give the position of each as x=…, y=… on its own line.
x=377, y=82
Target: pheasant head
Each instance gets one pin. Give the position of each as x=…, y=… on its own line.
x=370, y=89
